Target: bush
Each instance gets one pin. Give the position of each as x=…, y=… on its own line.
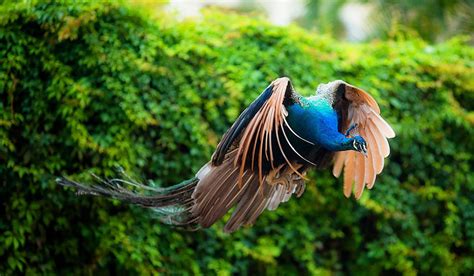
x=88, y=87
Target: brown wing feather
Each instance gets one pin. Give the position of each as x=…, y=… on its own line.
x=364, y=111
x=369, y=161
x=277, y=187
x=339, y=158
x=359, y=174
x=348, y=172
x=268, y=120
x=228, y=179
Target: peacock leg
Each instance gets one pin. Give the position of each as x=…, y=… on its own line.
x=350, y=129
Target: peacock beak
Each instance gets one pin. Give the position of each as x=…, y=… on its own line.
x=364, y=150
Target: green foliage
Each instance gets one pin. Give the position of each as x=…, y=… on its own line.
x=323, y=16
x=88, y=87
x=434, y=20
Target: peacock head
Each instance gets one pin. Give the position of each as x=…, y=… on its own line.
x=359, y=144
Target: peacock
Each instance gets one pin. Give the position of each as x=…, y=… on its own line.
x=263, y=158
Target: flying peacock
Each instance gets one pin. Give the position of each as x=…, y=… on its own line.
x=262, y=160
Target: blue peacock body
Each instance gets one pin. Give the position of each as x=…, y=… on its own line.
x=262, y=160
x=317, y=121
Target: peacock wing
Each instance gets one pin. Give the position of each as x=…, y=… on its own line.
x=258, y=125
x=228, y=180
x=359, y=170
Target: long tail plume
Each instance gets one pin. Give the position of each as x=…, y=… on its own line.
x=172, y=205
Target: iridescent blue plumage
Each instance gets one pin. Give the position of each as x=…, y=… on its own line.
x=315, y=120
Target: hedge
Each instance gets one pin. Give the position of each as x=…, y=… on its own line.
x=88, y=87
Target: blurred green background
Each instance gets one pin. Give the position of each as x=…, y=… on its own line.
x=86, y=87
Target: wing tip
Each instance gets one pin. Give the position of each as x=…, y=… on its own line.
x=283, y=78
x=358, y=194
x=391, y=135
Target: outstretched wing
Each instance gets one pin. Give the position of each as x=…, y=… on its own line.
x=235, y=175
x=361, y=110
x=253, y=132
